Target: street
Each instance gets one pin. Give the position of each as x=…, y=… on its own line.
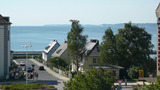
x=44, y=76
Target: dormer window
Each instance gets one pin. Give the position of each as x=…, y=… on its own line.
x=47, y=47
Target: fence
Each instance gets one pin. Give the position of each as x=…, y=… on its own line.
x=59, y=71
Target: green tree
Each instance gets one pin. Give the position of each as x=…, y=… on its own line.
x=107, y=48
x=130, y=46
x=133, y=46
x=96, y=79
x=76, y=42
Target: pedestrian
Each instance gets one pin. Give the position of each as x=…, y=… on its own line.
x=36, y=76
x=31, y=76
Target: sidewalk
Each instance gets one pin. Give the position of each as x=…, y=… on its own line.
x=133, y=83
x=50, y=71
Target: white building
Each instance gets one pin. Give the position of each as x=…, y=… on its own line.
x=49, y=50
x=4, y=46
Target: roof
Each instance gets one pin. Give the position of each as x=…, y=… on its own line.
x=107, y=66
x=90, y=48
x=158, y=6
x=158, y=11
x=4, y=20
x=50, y=46
x=60, y=50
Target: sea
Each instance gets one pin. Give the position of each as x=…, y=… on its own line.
x=40, y=36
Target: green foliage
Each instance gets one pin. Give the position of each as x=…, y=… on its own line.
x=133, y=72
x=76, y=42
x=96, y=79
x=107, y=48
x=58, y=62
x=130, y=46
x=158, y=79
x=29, y=86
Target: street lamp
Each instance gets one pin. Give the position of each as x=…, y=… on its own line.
x=70, y=71
x=58, y=64
x=26, y=45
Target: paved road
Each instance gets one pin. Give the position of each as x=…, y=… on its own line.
x=44, y=76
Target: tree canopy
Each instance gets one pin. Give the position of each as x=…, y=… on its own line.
x=95, y=79
x=130, y=46
x=76, y=42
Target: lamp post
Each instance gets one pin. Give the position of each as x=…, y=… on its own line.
x=26, y=45
x=70, y=71
x=58, y=65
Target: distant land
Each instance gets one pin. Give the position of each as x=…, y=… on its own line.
x=102, y=25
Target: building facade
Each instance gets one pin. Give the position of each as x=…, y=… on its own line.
x=62, y=52
x=158, y=39
x=4, y=46
x=49, y=50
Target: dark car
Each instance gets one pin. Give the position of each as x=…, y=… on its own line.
x=41, y=67
x=29, y=69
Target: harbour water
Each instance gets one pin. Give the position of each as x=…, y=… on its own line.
x=40, y=36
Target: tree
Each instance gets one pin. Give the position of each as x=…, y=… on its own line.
x=76, y=42
x=95, y=79
x=131, y=46
x=107, y=48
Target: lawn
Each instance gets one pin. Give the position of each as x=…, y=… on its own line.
x=22, y=86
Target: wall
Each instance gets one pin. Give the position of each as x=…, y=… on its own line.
x=1, y=51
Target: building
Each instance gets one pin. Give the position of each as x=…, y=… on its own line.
x=158, y=39
x=62, y=52
x=91, y=59
x=49, y=50
x=4, y=46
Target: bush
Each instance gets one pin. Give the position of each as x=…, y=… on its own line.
x=133, y=72
x=58, y=62
x=96, y=79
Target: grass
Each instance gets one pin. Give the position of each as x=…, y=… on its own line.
x=22, y=86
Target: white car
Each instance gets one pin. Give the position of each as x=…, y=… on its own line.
x=22, y=63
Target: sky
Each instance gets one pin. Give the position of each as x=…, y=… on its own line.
x=43, y=12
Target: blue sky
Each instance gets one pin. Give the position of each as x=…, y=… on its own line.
x=42, y=12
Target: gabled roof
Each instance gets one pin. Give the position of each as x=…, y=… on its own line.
x=60, y=50
x=90, y=48
x=158, y=7
x=50, y=46
x=4, y=20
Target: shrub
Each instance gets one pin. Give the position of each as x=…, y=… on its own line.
x=23, y=86
x=96, y=79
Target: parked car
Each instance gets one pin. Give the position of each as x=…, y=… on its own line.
x=41, y=67
x=29, y=69
x=22, y=63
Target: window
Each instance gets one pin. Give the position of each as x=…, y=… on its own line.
x=97, y=49
x=94, y=60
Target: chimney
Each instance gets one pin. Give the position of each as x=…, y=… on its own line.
x=94, y=40
x=65, y=41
